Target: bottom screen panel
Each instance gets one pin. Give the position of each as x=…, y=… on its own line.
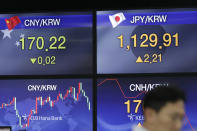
x=119, y=101
x=3, y=128
x=46, y=104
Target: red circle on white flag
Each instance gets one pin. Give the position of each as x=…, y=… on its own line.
x=117, y=18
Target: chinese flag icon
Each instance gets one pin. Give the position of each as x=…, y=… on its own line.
x=12, y=22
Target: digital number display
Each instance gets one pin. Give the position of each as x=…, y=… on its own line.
x=46, y=104
x=119, y=101
x=46, y=43
x=39, y=42
x=146, y=41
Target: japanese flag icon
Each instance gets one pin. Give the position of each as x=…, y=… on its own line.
x=116, y=19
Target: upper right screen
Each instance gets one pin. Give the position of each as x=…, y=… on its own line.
x=147, y=41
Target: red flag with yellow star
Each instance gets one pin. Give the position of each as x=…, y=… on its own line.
x=12, y=22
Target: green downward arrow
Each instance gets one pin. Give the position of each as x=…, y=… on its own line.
x=33, y=60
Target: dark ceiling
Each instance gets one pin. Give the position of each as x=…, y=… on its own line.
x=57, y=5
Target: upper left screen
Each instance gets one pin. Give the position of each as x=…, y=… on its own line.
x=46, y=43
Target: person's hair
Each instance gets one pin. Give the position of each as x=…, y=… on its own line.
x=161, y=95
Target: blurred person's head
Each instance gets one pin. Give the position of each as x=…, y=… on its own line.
x=164, y=109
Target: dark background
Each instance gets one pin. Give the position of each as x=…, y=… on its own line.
x=64, y=5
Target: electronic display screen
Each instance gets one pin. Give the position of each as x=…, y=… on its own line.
x=46, y=104
x=62, y=44
x=46, y=43
x=146, y=41
x=119, y=101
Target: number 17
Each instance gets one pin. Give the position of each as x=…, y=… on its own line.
x=128, y=103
